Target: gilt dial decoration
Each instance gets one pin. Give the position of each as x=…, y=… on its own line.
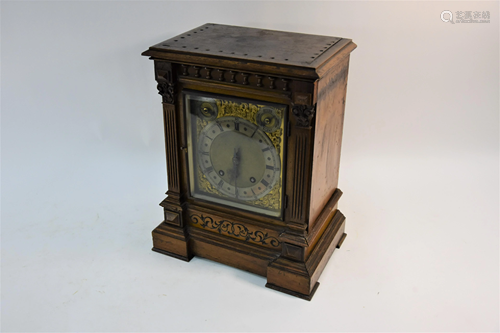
x=235, y=152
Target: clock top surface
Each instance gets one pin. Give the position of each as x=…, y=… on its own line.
x=278, y=48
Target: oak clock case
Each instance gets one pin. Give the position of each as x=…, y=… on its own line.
x=253, y=129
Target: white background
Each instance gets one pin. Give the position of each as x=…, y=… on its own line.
x=83, y=171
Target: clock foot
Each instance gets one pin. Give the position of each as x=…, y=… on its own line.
x=341, y=240
x=294, y=293
x=172, y=241
x=300, y=278
x=170, y=254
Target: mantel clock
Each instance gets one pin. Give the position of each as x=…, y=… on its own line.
x=253, y=127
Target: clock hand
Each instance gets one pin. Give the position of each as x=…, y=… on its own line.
x=236, y=163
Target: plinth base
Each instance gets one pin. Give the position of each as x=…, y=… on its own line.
x=294, y=273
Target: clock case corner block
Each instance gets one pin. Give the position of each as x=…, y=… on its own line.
x=300, y=243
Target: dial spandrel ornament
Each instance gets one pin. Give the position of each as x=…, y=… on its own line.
x=207, y=111
x=236, y=152
x=268, y=120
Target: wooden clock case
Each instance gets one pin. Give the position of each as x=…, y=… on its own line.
x=308, y=73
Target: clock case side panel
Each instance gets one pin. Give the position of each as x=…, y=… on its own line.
x=305, y=254
x=320, y=121
x=171, y=237
x=330, y=96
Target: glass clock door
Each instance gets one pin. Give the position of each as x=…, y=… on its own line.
x=235, y=150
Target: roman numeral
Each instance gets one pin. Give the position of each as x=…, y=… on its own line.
x=237, y=126
x=209, y=169
x=220, y=126
x=221, y=183
x=263, y=181
x=266, y=149
x=270, y=167
x=204, y=153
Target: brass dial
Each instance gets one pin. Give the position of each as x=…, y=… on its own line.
x=235, y=149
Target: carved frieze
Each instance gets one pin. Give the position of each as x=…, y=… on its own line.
x=237, y=230
x=235, y=77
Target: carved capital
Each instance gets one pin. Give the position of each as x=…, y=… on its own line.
x=166, y=90
x=304, y=114
x=164, y=77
